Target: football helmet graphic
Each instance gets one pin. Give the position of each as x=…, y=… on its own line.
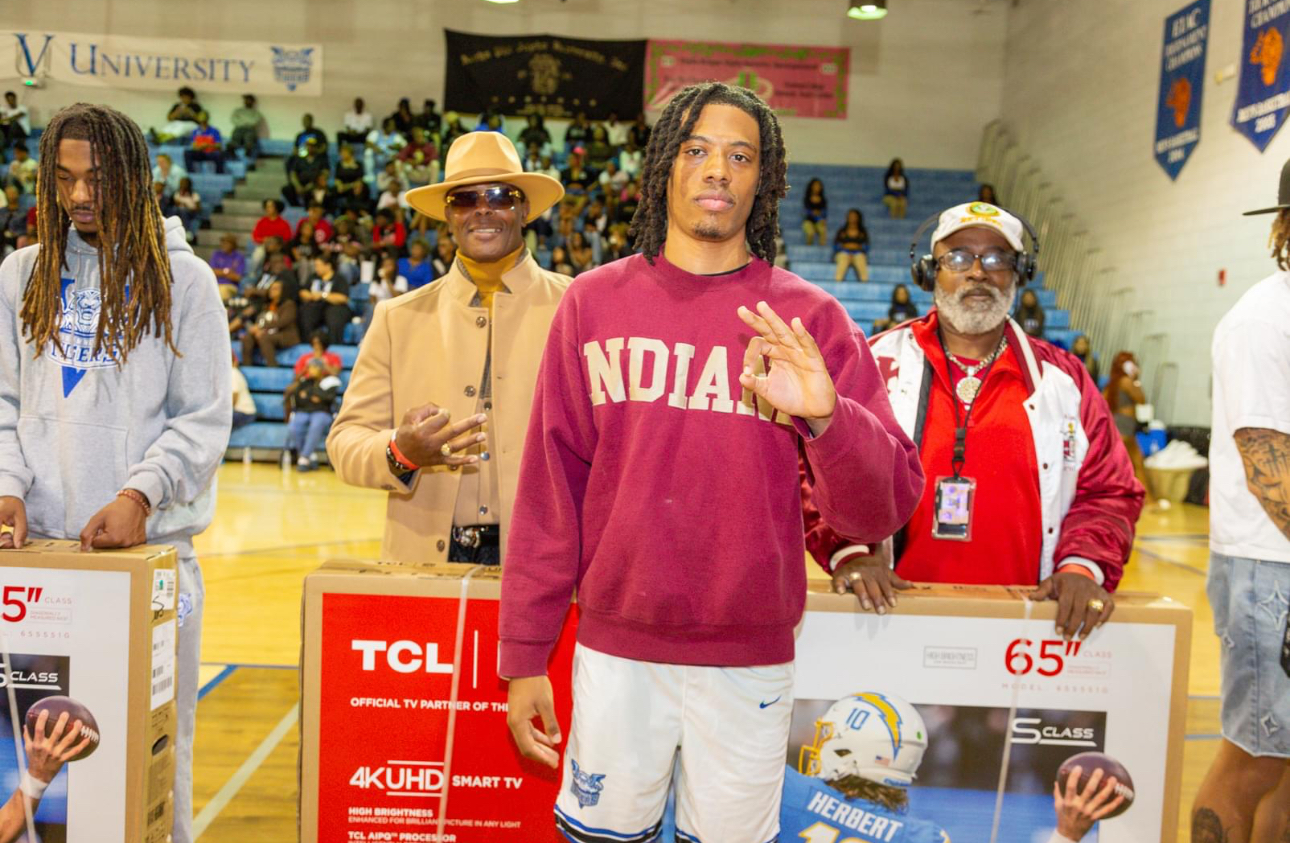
x=878, y=737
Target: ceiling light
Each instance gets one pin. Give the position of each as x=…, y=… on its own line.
x=866, y=9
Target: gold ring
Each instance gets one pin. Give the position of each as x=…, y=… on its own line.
x=1097, y=604
x=446, y=450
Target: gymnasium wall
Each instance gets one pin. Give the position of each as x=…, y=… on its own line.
x=923, y=82
x=1080, y=91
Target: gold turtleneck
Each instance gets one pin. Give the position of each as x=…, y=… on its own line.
x=488, y=276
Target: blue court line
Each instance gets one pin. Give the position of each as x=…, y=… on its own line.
x=265, y=666
x=219, y=677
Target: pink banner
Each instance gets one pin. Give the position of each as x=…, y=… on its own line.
x=797, y=81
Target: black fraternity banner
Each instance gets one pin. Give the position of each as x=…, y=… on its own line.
x=544, y=74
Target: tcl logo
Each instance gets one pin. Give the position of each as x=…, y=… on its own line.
x=402, y=656
x=1031, y=730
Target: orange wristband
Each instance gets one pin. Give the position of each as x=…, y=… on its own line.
x=398, y=455
x=1076, y=569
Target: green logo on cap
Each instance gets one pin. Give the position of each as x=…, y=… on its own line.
x=983, y=209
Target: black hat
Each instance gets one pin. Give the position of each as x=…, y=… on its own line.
x=1283, y=195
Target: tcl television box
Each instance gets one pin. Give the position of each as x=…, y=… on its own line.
x=404, y=717
x=94, y=632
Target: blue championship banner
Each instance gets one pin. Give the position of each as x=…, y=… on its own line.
x=1264, y=94
x=1182, y=86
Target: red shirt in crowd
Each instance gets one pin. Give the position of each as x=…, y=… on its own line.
x=330, y=360
x=397, y=231
x=275, y=227
x=322, y=230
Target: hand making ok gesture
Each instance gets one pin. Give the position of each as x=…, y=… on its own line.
x=797, y=382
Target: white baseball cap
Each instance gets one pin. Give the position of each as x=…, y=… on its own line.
x=981, y=215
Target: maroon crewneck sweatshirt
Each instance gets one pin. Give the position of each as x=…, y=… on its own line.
x=668, y=496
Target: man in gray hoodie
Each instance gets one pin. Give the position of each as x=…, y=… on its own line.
x=114, y=375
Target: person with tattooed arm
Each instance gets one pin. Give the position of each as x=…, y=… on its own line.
x=1246, y=793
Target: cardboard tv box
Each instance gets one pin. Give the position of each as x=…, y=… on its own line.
x=101, y=629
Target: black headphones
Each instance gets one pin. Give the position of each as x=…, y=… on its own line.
x=923, y=270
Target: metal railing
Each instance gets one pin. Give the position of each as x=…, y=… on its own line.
x=1102, y=306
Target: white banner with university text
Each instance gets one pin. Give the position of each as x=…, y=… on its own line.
x=162, y=63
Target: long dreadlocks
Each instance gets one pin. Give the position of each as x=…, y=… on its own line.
x=1279, y=239
x=134, y=269
x=649, y=225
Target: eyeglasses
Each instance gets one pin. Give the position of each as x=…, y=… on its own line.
x=961, y=260
x=497, y=198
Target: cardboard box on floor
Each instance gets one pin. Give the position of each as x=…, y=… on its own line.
x=99, y=628
x=404, y=733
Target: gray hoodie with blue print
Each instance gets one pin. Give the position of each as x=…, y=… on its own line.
x=75, y=428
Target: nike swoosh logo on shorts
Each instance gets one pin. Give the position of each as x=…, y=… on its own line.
x=769, y=704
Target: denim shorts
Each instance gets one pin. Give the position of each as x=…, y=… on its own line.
x=1250, y=600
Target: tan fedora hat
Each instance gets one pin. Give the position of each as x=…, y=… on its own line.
x=479, y=158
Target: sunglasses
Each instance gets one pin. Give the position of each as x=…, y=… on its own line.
x=961, y=260
x=497, y=198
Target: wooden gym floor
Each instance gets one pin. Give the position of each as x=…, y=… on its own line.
x=272, y=528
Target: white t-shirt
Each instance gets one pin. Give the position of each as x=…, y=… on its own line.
x=20, y=112
x=1251, y=389
x=379, y=292
x=355, y=122
x=242, y=400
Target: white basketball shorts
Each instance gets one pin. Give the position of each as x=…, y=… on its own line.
x=720, y=733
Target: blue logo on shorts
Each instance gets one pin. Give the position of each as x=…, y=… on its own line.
x=586, y=787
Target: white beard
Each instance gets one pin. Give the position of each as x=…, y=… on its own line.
x=975, y=316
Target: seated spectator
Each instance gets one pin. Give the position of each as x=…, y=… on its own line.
x=851, y=248
x=1041, y=498
x=322, y=228
x=246, y=308
x=578, y=133
x=639, y=133
x=309, y=130
x=391, y=198
x=491, y=121
x=630, y=160
x=243, y=402
x=356, y=124
x=321, y=192
x=13, y=221
x=403, y=117
x=815, y=212
x=560, y=262
x=612, y=180
x=597, y=215
x=348, y=249
x=599, y=152
x=168, y=173
x=549, y=168
x=580, y=253
x=207, y=144
x=270, y=225
x=416, y=267
x=902, y=307
x=164, y=202
x=430, y=119
x=303, y=170
x=452, y=129
x=986, y=194
x=1030, y=315
x=420, y=159
x=388, y=233
x=381, y=146
x=616, y=131
x=229, y=265
x=445, y=254
x=1083, y=349
x=533, y=160
x=628, y=201
x=578, y=181
x=325, y=299
x=15, y=122
x=247, y=121
x=615, y=245
x=22, y=169
x=318, y=346
x=535, y=134
x=362, y=222
x=302, y=248
x=896, y=190
x=387, y=284
x=188, y=207
x=181, y=120
x=275, y=327
x=308, y=403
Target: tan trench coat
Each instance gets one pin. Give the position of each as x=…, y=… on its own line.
x=429, y=346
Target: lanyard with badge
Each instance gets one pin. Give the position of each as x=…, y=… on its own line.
x=956, y=496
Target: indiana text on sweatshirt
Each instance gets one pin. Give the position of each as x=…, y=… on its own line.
x=666, y=495
x=76, y=428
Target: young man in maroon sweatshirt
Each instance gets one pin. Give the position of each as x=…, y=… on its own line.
x=659, y=481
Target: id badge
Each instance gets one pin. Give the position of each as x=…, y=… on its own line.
x=955, y=497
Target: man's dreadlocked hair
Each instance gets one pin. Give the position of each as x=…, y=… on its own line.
x=132, y=249
x=649, y=225
x=894, y=799
x=1279, y=239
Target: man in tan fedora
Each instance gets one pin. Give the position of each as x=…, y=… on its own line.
x=438, y=404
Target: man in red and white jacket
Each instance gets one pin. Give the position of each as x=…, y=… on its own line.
x=1027, y=481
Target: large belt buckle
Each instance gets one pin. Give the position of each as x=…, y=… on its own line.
x=469, y=537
